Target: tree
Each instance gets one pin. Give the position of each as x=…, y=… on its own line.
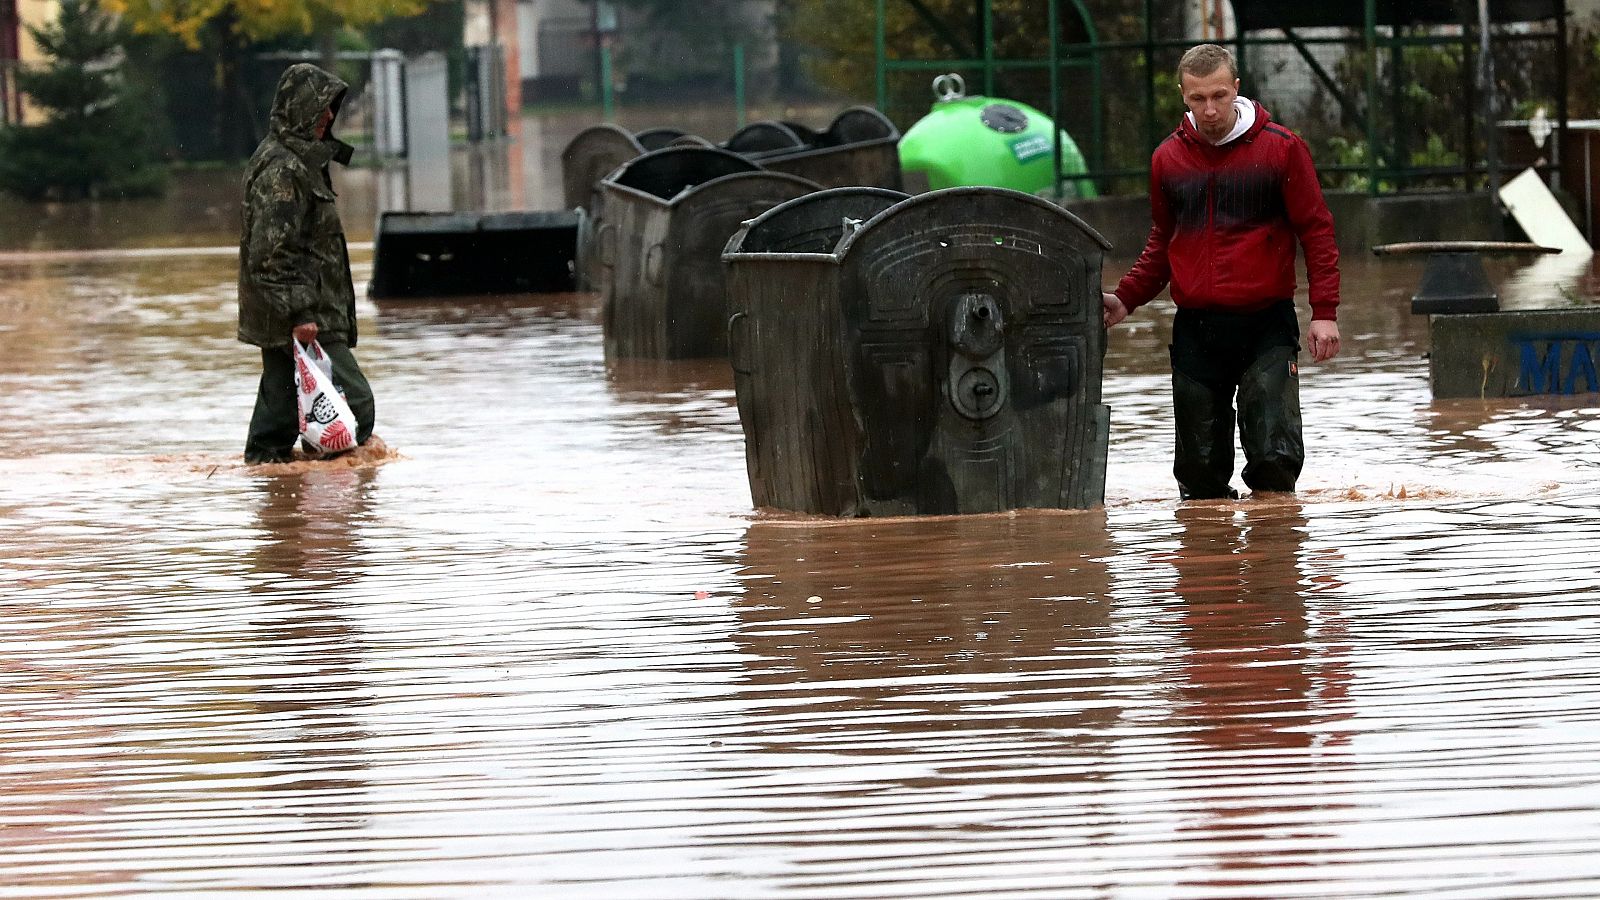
x=94, y=141
x=258, y=19
x=224, y=33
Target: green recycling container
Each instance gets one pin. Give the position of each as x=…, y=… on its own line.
x=988, y=142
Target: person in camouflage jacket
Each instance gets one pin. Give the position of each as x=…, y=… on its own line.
x=294, y=266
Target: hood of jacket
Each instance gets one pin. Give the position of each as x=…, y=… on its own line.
x=1187, y=131
x=304, y=91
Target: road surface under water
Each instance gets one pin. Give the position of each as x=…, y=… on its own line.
x=545, y=648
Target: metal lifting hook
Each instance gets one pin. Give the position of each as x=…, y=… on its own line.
x=949, y=87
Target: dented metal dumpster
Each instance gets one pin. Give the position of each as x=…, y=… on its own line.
x=860, y=147
x=943, y=355
x=669, y=214
x=590, y=156
x=786, y=340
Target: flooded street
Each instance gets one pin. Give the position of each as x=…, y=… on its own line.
x=549, y=650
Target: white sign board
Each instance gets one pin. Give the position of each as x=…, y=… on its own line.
x=1540, y=214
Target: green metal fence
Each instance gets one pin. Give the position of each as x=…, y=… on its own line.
x=1385, y=108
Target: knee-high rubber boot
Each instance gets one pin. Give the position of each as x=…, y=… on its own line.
x=1269, y=422
x=274, y=425
x=347, y=375
x=1203, y=453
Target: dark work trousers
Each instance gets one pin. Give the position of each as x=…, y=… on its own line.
x=275, y=425
x=1215, y=355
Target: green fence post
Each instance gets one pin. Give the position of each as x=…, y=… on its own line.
x=1151, y=135
x=1372, y=97
x=608, y=105
x=1055, y=95
x=878, y=44
x=738, y=83
x=988, y=48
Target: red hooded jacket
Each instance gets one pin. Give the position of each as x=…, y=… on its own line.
x=1225, y=220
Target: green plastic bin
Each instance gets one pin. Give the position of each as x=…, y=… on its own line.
x=988, y=142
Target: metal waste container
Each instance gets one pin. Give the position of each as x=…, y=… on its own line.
x=443, y=254
x=669, y=214
x=656, y=138
x=590, y=156
x=763, y=137
x=786, y=341
x=944, y=356
x=860, y=147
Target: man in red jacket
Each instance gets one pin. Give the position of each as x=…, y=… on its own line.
x=1230, y=194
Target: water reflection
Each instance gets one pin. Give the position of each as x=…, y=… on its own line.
x=553, y=652
x=1262, y=684
x=1551, y=282
x=975, y=638
x=496, y=315
x=1254, y=676
x=677, y=396
x=310, y=524
x=308, y=564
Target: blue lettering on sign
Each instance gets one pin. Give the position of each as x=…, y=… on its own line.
x=1582, y=364
x=1557, y=363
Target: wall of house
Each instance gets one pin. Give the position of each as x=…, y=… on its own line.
x=496, y=22
x=558, y=55
x=18, y=48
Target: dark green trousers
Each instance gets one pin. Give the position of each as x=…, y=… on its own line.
x=1215, y=357
x=275, y=424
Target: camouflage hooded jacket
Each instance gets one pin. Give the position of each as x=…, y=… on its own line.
x=294, y=266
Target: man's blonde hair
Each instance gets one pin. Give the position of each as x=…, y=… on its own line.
x=1203, y=59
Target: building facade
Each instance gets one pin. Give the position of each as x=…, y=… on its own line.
x=17, y=48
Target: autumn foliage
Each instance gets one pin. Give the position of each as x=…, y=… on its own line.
x=256, y=19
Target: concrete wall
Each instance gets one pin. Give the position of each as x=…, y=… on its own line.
x=1360, y=221
x=534, y=16
x=1516, y=353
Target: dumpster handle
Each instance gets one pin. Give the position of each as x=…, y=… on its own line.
x=734, y=346
x=652, y=263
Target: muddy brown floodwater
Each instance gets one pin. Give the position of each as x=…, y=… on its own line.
x=545, y=648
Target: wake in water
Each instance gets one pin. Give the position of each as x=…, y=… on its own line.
x=375, y=452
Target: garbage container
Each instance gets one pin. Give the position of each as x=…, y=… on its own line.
x=970, y=141
x=656, y=138
x=669, y=214
x=860, y=147
x=949, y=360
x=591, y=155
x=763, y=137
x=420, y=254
x=785, y=338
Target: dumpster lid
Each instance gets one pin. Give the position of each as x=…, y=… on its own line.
x=804, y=224
x=946, y=194
x=394, y=222
x=665, y=173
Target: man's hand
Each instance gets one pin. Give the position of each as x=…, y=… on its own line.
x=1115, y=312
x=1322, y=339
x=307, y=332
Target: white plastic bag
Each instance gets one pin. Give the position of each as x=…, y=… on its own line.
x=326, y=422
